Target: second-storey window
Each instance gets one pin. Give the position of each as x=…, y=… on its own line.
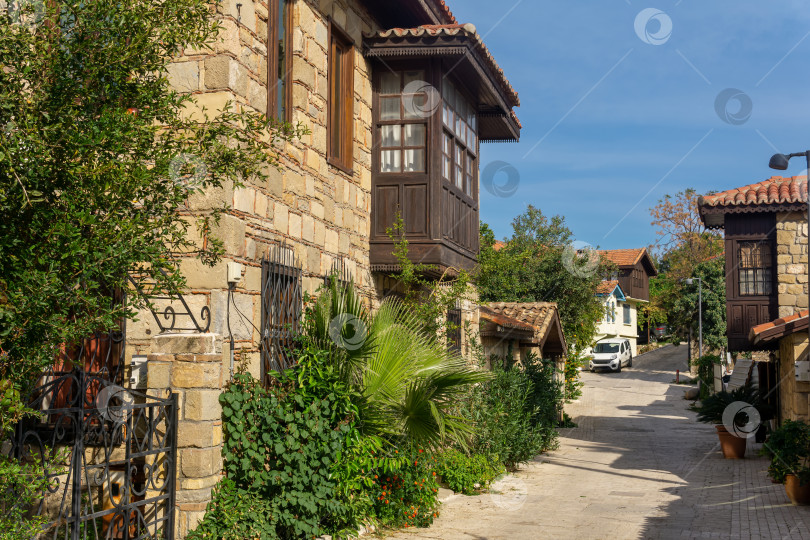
x=626, y=314
x=403, y=124
x=279, y=60
x=756, y=276
x=341, y=100
x=459, y=139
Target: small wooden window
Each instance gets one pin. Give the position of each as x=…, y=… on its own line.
x=341, y=100
x=279, y=60
x=756, y=276
x=454, y=330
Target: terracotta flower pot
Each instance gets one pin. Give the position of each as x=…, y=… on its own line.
x=797, y=494
x=733, y=446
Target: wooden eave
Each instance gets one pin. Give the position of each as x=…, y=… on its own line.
x=713, y=217
x=496, y=121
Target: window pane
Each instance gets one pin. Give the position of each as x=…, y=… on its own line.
x=459, y=177
x=414, y=134
x=390, y=161
x=415, y=106
x=415, y=160
x=389, y=83
x=392, y=135
x=449, y=92
x=447, y=115
x=413, y=76
x=446, y=167
x=389, y=108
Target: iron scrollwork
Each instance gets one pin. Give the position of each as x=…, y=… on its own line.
x=168, y=314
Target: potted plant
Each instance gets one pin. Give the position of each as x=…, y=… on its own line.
x=723, y=409
x=789, y=450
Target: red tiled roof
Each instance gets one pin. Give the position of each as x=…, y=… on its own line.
x=504, y=320
x=779, y=328
x=623, y=257
x=542, y=316
x=607, y=287
x=774, y=190
x=444, y=10
x=469, y=31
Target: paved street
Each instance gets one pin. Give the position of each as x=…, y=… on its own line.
x=637, y=466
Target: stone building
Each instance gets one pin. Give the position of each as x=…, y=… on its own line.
x=766, y=245
x=397, y=98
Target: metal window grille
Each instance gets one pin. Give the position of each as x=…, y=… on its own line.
x=340, y=271
x=755, y=271
x=281, y=310
x=454, y=330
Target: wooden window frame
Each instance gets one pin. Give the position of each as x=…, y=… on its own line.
x=759, y=272
x=274, y=22
x=467, y=150
x=344, y=160
x=403, y=121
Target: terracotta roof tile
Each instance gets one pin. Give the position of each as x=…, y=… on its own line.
x=505, y=321
x=469, y=31
x=778, y=328
x=607, y=287
x=623, y=257
x=448, y=15
x=774, y=190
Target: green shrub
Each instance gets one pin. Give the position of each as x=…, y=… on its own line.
x=236, y=514
x=406, y=495
x=788, y=447
x=282, y=448
x=468, y=474
x=502, y=411
x=705, y=365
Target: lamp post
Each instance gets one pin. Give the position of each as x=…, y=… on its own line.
x=690, y=281
x=779, y=162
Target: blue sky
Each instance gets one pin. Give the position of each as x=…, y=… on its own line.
x=612, y=123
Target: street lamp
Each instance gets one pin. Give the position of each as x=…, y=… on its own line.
x=690, y=281
x=780, y=163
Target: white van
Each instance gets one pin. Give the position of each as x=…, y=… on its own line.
x=611, y=353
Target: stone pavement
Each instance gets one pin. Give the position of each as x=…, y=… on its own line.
x=638, y=466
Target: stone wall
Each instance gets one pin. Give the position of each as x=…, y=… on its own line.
x=791, y=262
x=192, y=366
x=794, y=396
x=320, y=212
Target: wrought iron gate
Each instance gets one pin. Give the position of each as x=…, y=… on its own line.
x=110, y=453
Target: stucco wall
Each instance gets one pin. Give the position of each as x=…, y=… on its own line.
x=618, y=328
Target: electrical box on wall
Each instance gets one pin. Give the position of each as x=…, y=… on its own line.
x=234, y=272
x=137, y=379
x=802, y=370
